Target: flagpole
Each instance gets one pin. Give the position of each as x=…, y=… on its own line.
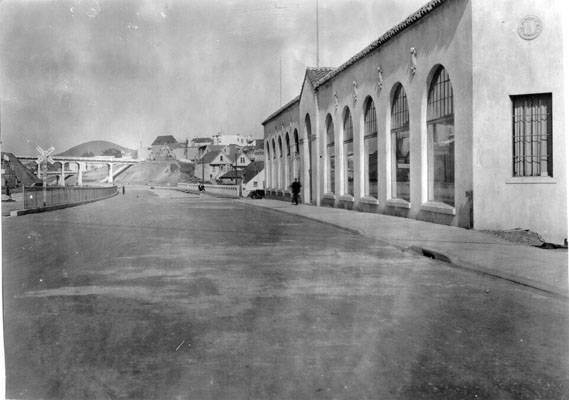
x=317, y=39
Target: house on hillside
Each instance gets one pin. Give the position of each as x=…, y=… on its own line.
x=163, y=148
x=197, y=147
x=250, y=178
x=181, y=150
x=212, y=165
x=223, y=139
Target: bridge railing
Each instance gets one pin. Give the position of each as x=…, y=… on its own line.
x=218, y=190
x=34, y=197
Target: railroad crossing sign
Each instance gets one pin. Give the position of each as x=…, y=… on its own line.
x=45, y=155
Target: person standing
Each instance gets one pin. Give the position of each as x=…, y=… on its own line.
x=295, y=186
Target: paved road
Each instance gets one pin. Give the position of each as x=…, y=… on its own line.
x=161, y=295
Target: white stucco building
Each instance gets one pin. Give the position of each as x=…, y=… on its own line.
x=455, y=116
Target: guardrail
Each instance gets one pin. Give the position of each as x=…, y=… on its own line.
x=34, y=196
x=219, y=190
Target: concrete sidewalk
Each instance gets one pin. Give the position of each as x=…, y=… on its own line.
x=542, y=269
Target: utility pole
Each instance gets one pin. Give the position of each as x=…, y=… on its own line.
x=317, y=39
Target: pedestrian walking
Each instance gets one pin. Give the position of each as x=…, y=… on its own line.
x=295, y=186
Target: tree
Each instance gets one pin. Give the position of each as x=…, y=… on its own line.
x=88, y=154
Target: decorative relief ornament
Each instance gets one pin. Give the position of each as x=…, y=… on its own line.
x=530, y=27
x=379, y=80
x=355, y=92
x=413, y=60
x=336, y=104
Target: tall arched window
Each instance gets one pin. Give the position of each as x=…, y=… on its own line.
x=400, y=157
x=348, y=152
x=274, y=150
x=370, y=148
x=287, y=140
x=296, y=143
x=331, y=153
x=440, y=138
x=280, y=148
x=268, y=151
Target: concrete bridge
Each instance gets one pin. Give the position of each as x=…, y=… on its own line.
x=78, y=165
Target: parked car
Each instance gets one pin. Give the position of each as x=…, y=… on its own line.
x=257, y=194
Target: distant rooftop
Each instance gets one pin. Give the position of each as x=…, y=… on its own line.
x=166, y=139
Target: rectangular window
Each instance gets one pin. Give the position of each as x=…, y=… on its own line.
x=370, y=161
x=441, y=161
x=532, y=135
x=331, y=169
x=400, y=165
x=349, y=167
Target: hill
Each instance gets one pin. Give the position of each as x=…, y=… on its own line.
x=94, y=148
x=167, y=173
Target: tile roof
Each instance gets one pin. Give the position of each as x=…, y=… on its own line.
x=410, y=20
x=314, y=74
x=166, y=139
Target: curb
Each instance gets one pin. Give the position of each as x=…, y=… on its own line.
x=17, y=213
x=458, y=263
x=437, y=255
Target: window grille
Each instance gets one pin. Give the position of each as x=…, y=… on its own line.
x=532, y=135
x=348, y=152
x=440, y=138
x=370, y=120
x=331, y=154
x=400, y=146
x=400, y=109
x=370, y=149
x=440, y=103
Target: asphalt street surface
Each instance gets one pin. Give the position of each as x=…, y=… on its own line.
x=163, y=295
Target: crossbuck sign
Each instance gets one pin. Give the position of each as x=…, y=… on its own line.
x=45, y=155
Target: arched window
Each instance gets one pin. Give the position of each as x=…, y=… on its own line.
x=331, y=153
x=287, y=142
x=280, y=148
x=370, y=148
x=440, y=138
x=296, y=142
x=400, y=154
x=274, y=150
x=268, y=151
x=348, y=152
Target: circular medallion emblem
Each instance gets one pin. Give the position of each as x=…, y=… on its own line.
x=530, y=27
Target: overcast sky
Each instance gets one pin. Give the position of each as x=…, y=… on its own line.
x=127, y=71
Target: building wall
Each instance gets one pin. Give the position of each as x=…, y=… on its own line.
x=277, y=166
x=441, y=38
x=506, y=65
x=256, y=183
x=309, y=161
x=223, y=139
x=477, y=42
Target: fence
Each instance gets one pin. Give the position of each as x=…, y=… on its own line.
x=34, y=197
x=219, y=190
